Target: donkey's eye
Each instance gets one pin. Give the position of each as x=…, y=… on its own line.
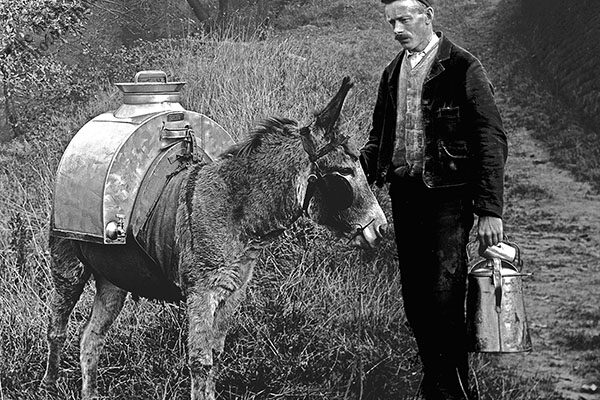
x=346, y=171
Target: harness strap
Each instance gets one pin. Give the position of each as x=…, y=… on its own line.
x=316, y=178
x=309, y=148
x=341, y=141
x=310, y=192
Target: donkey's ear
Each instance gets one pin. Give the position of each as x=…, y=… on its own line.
x=327, y=118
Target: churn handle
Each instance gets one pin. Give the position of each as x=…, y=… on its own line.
x=150, y=74
x=518, y=259
x=506, y=239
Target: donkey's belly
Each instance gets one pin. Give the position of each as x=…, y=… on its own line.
x=147, y=264
x=130, y=268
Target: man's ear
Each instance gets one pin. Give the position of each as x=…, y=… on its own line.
x=430, y=13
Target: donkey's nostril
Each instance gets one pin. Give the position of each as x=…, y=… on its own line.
x=382, y=230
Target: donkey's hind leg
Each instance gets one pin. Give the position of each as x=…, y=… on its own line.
x=69, y=277
x=108, y=303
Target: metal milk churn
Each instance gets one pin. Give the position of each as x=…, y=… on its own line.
x=116, y=166
x=496, y=321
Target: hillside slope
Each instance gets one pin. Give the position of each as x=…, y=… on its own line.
x=562, y=37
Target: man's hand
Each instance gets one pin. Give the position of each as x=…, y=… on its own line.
x=489, y=231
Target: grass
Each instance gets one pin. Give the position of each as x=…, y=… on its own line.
x=527, y=191
x=582, y=341
x=320, y=322
x=530, y=99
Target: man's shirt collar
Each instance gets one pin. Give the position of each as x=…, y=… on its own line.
x=432, y=42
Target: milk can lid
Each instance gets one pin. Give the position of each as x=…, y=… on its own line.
x=146, y=82
x=484, y=269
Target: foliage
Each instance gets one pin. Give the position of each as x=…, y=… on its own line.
x=31, y=28
x=37, y=17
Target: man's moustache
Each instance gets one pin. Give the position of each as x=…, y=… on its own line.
x=401, y=37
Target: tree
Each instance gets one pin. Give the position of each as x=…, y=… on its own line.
x=201, y=10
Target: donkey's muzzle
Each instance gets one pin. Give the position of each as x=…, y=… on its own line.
x=370, y=236
x=383, y=231
x=374, y=233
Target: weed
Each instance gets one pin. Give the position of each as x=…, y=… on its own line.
x=20, y=235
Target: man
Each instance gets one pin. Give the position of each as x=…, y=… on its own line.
x=438, y=139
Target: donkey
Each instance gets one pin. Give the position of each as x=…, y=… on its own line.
x=224, y=212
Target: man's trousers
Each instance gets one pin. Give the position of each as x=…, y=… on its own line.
x=432, y=231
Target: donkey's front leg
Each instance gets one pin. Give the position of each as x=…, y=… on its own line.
x=201, y=307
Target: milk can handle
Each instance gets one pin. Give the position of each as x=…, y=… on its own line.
x=150, y=74
x=518, y=259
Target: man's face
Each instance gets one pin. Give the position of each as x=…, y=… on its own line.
x=411, y=23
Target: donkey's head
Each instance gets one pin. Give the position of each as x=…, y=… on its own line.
x=336, y=193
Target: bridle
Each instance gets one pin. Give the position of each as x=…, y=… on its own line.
x=331, y=182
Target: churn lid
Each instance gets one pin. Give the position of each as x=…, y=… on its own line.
x=485, y=268
x=150, y=87
x=149, y=93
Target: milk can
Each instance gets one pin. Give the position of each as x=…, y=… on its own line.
x=496, y=320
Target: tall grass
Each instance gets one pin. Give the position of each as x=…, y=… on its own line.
x=320, y=321
x=301, y=330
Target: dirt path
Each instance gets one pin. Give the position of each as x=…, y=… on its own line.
x=556, y=220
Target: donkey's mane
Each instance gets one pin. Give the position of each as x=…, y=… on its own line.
x=268, y=127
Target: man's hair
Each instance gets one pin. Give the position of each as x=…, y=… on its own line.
x=422, y=4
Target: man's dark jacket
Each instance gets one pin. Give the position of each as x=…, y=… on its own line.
x=465, y=143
